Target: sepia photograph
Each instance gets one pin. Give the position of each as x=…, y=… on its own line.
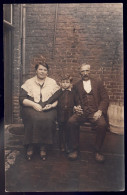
x=63, y=97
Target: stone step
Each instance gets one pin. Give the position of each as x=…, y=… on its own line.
x=113, y=144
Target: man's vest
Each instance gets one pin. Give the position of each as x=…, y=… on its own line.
x=88, y=103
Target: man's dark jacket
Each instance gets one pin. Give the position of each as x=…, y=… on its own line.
x=99, y=93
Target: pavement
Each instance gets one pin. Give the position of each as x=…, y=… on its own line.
x=57, y=173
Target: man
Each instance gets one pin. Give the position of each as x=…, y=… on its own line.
x=92, y=104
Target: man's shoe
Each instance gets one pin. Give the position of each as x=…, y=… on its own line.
x=73, y=155
x=99, y=157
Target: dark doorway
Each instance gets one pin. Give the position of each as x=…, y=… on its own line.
x=7, y=75
x=7, y=43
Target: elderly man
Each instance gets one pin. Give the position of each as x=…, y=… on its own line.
x=91, y=105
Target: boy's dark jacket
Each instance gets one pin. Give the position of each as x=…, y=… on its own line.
x=66, y=102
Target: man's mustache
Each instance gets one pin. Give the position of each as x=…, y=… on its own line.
x=85, y=76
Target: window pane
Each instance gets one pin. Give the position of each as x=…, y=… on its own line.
x=7, y=12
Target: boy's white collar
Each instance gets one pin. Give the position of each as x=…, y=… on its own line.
x=66, y=89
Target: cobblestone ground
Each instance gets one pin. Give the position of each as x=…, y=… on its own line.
x=10, y=157
x=57, y=174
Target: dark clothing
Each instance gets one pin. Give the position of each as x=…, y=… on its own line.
x=100, y=95
x=91, y=102
x=74, y=127
x=39, y=126
x=88, y=103
x=63, y=136
x=65, y=106
x=66, y=102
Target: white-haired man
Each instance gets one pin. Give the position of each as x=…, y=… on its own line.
x=91, y=105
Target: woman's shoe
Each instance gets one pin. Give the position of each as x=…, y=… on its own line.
x=29, y=153
x=43, y=155
x=43, y=152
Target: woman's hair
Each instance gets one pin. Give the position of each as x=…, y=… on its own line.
x=42, y=64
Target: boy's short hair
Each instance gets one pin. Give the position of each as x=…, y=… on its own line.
x=66, y=77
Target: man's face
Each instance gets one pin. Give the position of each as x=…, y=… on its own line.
x=65, y=84
x=85, y=72
x=41, y=72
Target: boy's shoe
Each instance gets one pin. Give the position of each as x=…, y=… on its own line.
x=68, y=151
x=30, y=152
x=62, y=149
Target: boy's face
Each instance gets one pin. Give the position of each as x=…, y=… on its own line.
x=65, y=84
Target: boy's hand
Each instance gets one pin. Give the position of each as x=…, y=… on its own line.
x=47, y=107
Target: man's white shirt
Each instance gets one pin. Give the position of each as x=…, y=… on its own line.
x=87, y=86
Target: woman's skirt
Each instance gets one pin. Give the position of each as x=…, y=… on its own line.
x=39, y=126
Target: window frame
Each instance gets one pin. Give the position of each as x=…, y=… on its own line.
x=6, y=22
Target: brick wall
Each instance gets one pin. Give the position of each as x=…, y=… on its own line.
x=16, y=66
x=71, y=34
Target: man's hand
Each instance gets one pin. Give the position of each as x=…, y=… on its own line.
x=47, y=107
x=78, y=110
x=97, y=115
x=37, y=107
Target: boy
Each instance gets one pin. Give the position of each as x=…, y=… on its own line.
x=66, y=102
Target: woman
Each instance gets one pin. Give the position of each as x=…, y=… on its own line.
x=38, y=124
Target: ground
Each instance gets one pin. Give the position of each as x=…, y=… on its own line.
x=57, y=173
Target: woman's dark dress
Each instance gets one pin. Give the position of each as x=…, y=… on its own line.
x=39, y=126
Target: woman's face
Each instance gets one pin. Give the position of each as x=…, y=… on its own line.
x=41, y=72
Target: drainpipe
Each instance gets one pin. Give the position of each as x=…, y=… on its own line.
x=21, y=44
x=23, y=38
x=54, y=39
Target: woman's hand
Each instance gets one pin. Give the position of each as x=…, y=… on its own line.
x=32, y=104
x=37, y=107
x=47, y=107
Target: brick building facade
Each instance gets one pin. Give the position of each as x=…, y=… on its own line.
x=68, y=35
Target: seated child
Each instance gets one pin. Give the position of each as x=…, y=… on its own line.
x=65, y=97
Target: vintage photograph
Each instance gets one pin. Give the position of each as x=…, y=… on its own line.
x=63, y=97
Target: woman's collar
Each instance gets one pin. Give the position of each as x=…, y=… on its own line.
x=37, y=81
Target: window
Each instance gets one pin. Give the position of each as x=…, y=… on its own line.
x=7, y=13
